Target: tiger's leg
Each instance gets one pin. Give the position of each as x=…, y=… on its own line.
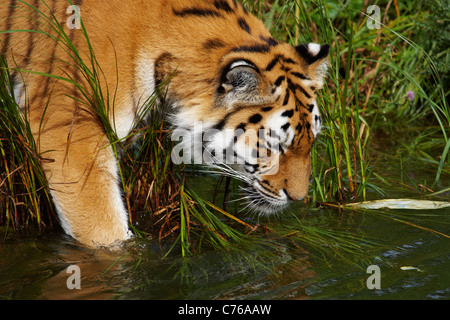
x=83, y=177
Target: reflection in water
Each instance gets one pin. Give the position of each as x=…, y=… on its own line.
x=100, y=274
x=36, y=268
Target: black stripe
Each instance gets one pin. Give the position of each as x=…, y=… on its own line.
x=274, y=135
x=273, y=63
x=285, y=126
x=31, y=35
x=255, y=118
x=294, y=87
x=244, y=25
x=271, y=193
x=288, y=60
x=12, y=7
x=288, y=113
x=300, y=75
x=308, y=126
x=270, y=41
x=286, y=98
x=303, y=91
x=299, y=102
x=196, y=12
x=260, y=146
x=223, y=5
x=213, y=44
x=279, y=80
x=259, y=48
x=277, y=59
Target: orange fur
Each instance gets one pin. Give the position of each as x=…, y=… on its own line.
x=137, y=45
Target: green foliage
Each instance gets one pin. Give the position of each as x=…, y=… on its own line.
x=437, y=46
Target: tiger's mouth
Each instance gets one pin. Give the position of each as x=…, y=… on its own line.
x=257, y=199
x=263, y=202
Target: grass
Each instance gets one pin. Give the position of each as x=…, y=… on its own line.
x=24, y=198
x=366, y=96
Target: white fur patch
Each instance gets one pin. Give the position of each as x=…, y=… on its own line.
x=145, y=76
x=117, y=197
x=314, y=48
x=62, y=219
x=19, y=94
x=279, y=136
x=316, y=120
x=130, y=110
x=124, y=121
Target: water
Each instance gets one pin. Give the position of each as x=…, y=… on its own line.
x=35, y=266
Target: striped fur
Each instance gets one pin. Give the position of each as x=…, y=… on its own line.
x=226, y=70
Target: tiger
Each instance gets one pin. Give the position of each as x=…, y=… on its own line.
x=219, y=66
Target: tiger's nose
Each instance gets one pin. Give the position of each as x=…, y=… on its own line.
x=291, y=197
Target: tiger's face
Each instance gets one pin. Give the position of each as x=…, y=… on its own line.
x=268, y=124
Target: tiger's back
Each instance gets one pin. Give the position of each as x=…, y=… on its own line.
x=226, y=71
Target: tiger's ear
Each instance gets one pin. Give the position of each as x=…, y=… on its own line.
x=239, y=83
x=316, y=60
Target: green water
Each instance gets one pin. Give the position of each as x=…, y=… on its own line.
x=35, y=266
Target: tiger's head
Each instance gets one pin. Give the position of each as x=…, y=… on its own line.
x=264, y=121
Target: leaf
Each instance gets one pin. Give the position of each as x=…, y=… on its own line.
x=410, y=204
